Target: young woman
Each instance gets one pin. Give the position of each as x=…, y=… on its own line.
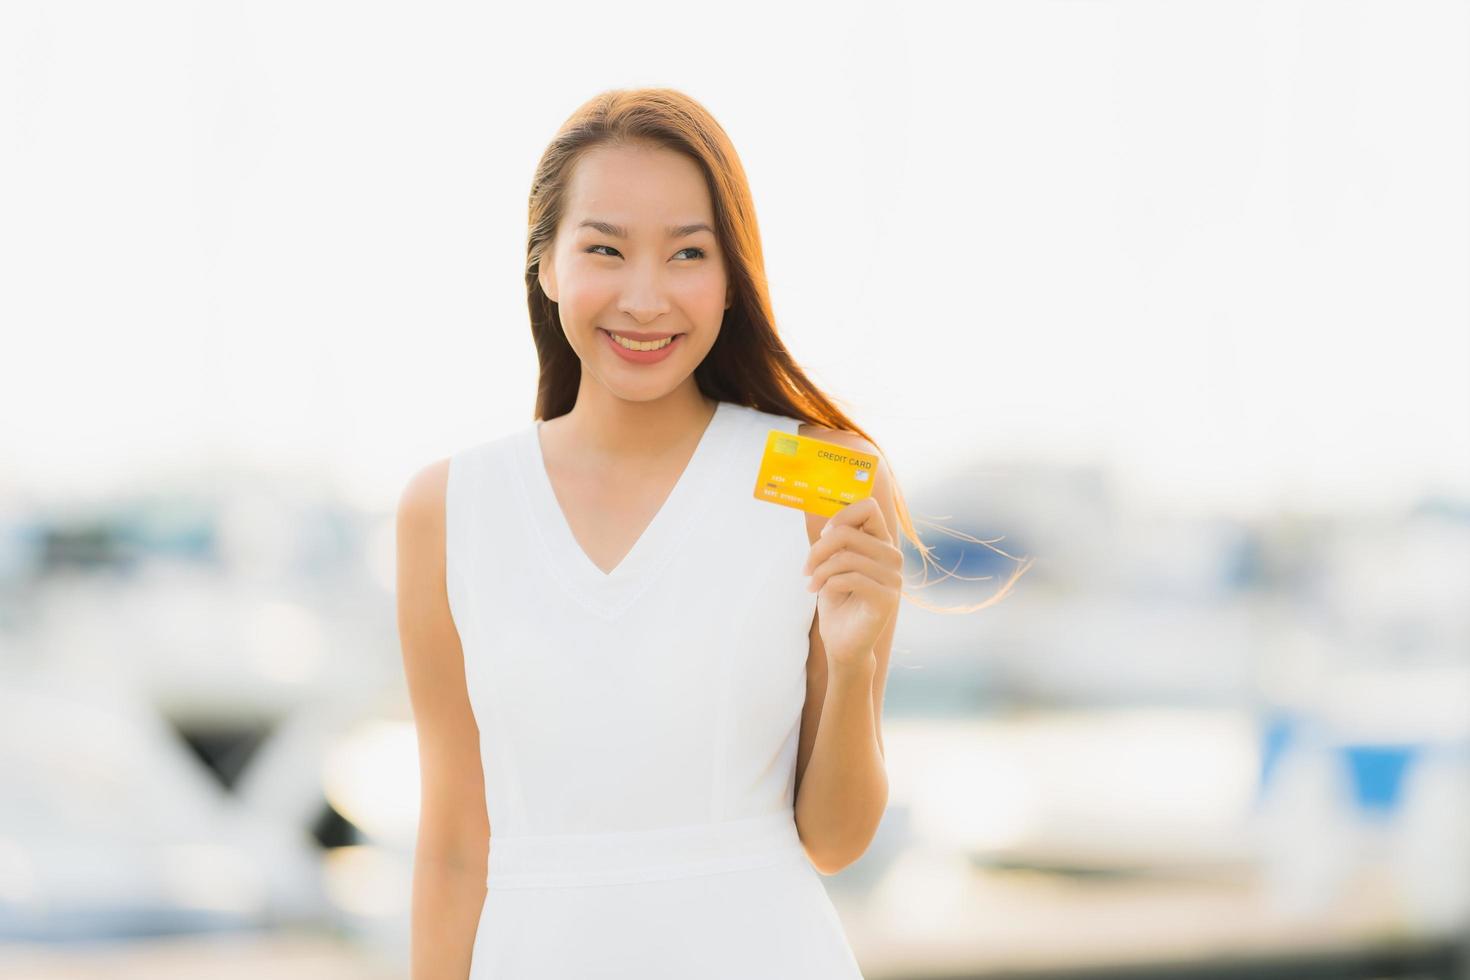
x=663, y=694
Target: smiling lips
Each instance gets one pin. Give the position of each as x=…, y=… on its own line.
x=639, y=352
x=642, y=343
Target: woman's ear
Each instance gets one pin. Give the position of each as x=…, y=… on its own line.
x=546, y=276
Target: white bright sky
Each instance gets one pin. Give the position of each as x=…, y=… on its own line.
x=1221, y=248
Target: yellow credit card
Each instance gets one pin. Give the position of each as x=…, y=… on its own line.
x=813, y=475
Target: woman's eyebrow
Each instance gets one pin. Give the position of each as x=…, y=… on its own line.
x=618, y=231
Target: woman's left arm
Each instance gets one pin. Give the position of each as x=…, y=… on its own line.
x=857, y=571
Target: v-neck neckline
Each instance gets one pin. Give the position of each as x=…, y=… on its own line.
x=610, y=592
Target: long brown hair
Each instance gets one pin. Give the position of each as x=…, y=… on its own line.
x=748, y=363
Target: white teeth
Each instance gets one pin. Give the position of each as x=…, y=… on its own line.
x=641, y=344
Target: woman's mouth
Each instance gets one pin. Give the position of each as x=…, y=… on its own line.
x=638, y=352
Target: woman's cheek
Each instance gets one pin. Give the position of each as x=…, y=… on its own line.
x=583, y=294
x=707, y=296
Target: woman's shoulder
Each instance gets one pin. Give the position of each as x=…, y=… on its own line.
x=495, y=444
x=421, y=501
x=423, y=495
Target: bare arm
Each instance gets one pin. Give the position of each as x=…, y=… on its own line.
x=841, y=778
x=453, y=846
x=842, y=788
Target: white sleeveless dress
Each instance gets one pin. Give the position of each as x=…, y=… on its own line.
x=638, y=730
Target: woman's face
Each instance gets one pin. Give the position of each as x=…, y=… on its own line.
x=635, y=255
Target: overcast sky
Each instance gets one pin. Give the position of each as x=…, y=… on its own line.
x=1219, y=248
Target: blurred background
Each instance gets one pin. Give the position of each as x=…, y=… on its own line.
x=1170, y=298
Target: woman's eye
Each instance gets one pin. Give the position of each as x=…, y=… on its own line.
x=593, y=249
